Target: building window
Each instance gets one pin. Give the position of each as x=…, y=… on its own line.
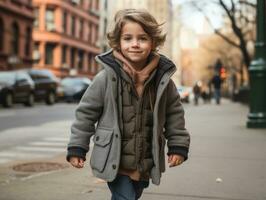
x=1, y=35
x=72, y=57
x=96, y=35
x=64, y=22
x=36, y=18
x=81, y=3
x=64, y=52
x=73, y=25
x=15, y=39
x=97, y=4
x=90, y=58
x=90, y=33
x=28, y=42
x=81, y=29
x=80, y=60
x=89, y=4
x=105, y=4
x=36, y=53
x=49, y=20
x=49, y=54
x=105, y=26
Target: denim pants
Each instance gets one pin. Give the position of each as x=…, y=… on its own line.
x=217, y=95
x=124, y=188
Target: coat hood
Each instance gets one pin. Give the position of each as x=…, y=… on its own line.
x=108, y=60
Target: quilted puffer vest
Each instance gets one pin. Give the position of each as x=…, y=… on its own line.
x=137, y=118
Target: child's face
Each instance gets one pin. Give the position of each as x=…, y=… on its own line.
x=135, y=44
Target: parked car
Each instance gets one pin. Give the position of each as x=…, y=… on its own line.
x=72, y=88
x=16, y=87
x=45, y=85
x=185, y=93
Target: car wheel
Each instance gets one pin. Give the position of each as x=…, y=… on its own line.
x=50, y=99
x=30, y=100
x=8, y=101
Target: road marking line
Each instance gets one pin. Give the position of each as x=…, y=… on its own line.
x=45, y=149
x=4, y=160
x=57, y=139
x=7, y=114
x=61, y=144
x=16, y=154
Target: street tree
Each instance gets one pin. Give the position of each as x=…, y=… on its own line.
x=239, y=18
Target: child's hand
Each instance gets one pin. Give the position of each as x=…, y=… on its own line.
x=77, y=162
x=175, y=160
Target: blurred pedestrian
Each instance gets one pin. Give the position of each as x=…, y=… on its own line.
x=217, y=82
x=197, y=92
x=205, y=93
x=132, y=124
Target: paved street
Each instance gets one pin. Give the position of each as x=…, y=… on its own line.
x=22, y=127
x=22, y=116
x=227, y=161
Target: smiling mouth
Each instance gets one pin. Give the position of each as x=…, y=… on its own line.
x=135, y=52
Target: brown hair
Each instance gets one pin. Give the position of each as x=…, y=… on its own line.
x=143, y=18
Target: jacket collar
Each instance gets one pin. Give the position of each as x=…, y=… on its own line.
x=164, y=65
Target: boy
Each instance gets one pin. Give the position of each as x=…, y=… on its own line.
x=136, y=107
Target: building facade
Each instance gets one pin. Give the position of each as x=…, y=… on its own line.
x=16, y=22
x=106, y=7
x=66, y=36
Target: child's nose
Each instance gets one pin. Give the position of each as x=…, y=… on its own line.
x=135, y=43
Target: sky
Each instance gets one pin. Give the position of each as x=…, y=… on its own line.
x=194, y=19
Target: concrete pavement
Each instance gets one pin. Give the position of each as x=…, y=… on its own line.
x=227, y=162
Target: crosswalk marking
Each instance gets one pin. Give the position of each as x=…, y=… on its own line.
x=14, y=154
x=58, y=139
x=43, y=148
x=47, y=144
x=4, y=160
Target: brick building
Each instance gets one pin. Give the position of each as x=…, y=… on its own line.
x=16, y=22
x=66, y=36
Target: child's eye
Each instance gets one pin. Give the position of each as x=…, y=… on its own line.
x=126, y=38
x=143, y=38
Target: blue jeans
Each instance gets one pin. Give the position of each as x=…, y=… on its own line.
x=217, y=95
x=124, y=188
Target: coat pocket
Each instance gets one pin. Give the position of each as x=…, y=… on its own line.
x=102, y=145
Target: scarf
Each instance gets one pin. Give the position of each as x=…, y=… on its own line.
x=138, y=77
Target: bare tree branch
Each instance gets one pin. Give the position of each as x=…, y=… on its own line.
x=226, y=39
x=247, y=3
x=239, y=23
x=226, y=9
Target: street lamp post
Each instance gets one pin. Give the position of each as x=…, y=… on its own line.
x=257, y=73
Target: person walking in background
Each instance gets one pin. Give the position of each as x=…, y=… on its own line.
x=136, y=107
x=197, y=92
x=217, y=82
x=205, y=93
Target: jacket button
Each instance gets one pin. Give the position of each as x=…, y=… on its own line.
x=162, y=82
x=114, y=166
x=116, y=135
x=97, y=138
x=113, y=79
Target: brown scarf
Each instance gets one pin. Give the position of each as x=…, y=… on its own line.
x=138, y=77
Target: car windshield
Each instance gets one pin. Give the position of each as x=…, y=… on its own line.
x=7, y=77
x=44, y=72
x=74, y=81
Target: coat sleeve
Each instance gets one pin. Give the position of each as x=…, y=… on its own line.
x=88, y=113
x=178, y=138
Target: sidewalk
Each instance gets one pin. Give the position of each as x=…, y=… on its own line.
x=227, y=162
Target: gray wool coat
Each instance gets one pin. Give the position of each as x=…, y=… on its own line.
x=100, y=105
